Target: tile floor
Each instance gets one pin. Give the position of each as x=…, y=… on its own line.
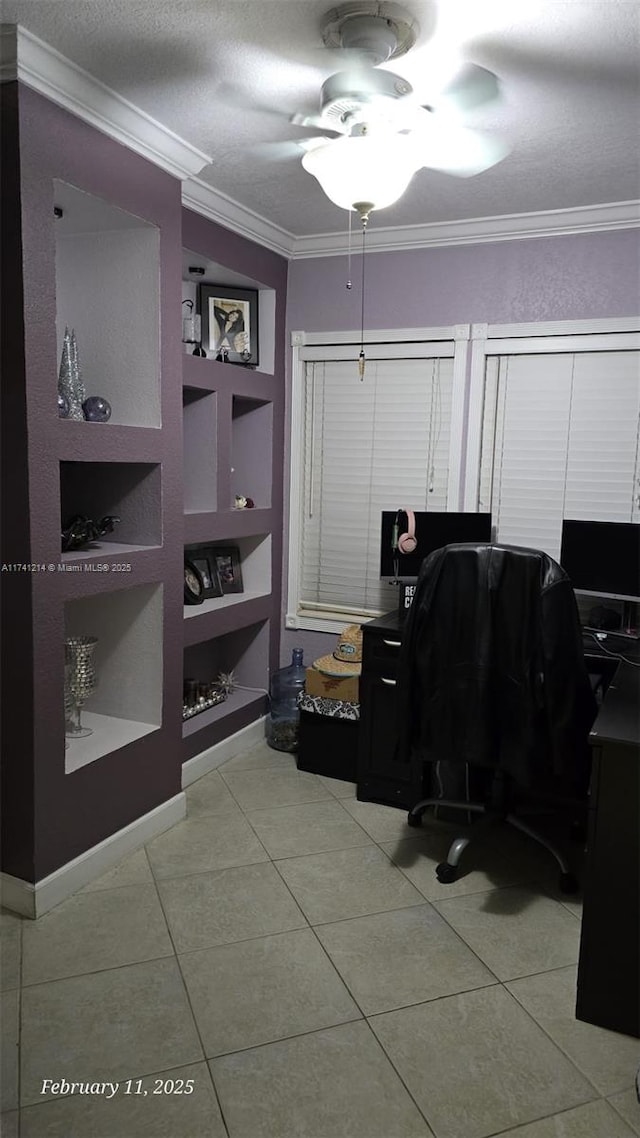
x=285, y=964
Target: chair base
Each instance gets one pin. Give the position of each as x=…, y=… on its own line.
x=447, y=871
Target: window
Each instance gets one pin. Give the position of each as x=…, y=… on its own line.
x=552, y=430
x=560, y=438
x=372, y=445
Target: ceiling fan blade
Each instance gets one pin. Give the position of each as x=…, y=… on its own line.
x=317, y=123
x=473, y=86
x=459, y=150
x=285, y=150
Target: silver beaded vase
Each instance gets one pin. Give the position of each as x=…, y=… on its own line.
x=79, y=682
x=70, y=383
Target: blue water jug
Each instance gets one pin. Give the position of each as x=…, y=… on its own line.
x=284, y=716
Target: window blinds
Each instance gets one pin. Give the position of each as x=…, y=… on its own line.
x=369, y=446
x=560, y=438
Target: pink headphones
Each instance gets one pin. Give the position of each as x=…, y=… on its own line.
x=407, y=542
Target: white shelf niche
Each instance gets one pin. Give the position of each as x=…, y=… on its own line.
x=215, y=273
x=131, y=491
x=246, y=653
x=107, y=289
x=199, y=425
x=255, y=563
x=127, y=702
x=251, y=450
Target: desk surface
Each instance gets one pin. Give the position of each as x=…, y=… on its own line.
x=618, y=719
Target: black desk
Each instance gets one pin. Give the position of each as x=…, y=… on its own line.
x=609, y=966
x=608, y=972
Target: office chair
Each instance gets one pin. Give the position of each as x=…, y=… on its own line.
x=492, y=674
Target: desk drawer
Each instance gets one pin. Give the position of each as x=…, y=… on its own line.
x=381, y=654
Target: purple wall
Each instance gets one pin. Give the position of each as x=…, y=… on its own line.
x=581, y=277
x=545, y=278
x=51, y=817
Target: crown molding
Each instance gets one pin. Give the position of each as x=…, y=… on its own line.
x=204, y=199
x=25, y=57
x=476, y=230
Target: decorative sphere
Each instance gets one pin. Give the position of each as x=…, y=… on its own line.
x=63, y=406
x=96, y=409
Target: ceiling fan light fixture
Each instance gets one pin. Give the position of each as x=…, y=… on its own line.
x=372, y=169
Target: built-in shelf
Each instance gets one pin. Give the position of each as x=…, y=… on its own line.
x=131, y=491
x=200, y=450
x=105, y=259
x=216, y=273
x=80, y=441
x=251, y=449
x=128, y=660
x=225, y=525
x=243, y=651
x=218, y=604
x=233, y=702
x=109, y=734
x=104, y=548
x=255, y=563
x=218, y=621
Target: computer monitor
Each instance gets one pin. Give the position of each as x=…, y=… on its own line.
x=433, y=530
x=602, y=558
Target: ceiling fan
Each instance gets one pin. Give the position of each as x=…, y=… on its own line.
x=371, y=117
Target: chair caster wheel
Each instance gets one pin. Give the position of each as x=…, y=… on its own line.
x=568, y=883
x=446, y=873
x=414, y=820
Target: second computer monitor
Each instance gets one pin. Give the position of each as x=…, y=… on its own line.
x=602, y=558
x=433, y=530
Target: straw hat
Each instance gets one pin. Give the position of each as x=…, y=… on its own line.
x=346, y=660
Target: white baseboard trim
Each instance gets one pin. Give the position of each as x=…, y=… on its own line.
x=34, y=900
x=213, y=757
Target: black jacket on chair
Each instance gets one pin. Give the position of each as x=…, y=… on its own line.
x=491, y=668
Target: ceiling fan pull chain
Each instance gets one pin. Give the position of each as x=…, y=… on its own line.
x=349, y=285
x=361, y=357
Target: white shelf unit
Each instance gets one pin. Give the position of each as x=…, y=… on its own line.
x=131, y=491
x=107, y=266
x=127, y=702
x=216, y=273
x=245, y=652
x=200, y=416
x=251, y=449
x=255, y=561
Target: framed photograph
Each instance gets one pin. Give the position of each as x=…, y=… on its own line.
x=193, y=584
x=200, y=561
x=210, y=579
x=227, y=562
x=229, y=323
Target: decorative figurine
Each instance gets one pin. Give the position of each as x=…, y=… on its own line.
x=80, y=531
x=63, y=406
x=96, y=409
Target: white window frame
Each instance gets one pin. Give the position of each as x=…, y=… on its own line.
x=452, y=341
x=607, y=335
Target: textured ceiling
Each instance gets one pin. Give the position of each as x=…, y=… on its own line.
x=225, y=75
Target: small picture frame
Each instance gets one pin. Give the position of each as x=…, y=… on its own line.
x=193, y=584
x=229, y=323
x=201, y=561
x=209, y=573
x=227, y=561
